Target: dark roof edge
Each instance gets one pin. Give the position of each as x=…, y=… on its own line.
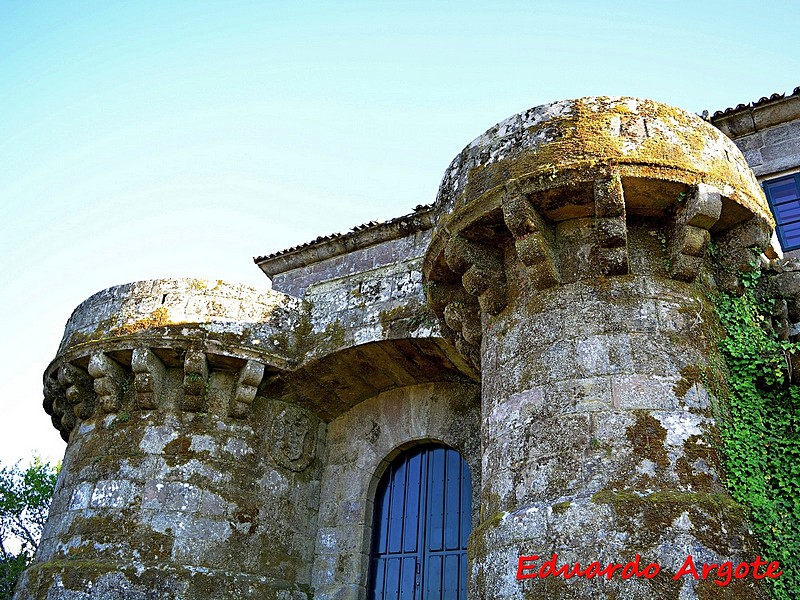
x=749, y=118
x=361, y=236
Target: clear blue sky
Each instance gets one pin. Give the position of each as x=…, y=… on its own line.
x=159, y=139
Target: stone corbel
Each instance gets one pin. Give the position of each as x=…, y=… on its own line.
x=148, y=380
x=52, y=392
x=533, y=237
x=460, y=317
x=611, y=229
x=465, y=319
x=441, y=294
x=738, y=247
x=246, y=387
x=195, y=378
x=688, y=236
x=109, y=377
x=481, y=270
x=55, y=402
x=78, y=392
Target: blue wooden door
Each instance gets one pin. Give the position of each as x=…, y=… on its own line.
x=422, y=519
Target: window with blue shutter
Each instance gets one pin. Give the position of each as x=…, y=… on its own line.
x=784, y=200
x=422, y=520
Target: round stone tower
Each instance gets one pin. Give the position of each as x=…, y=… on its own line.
x=570, y=263
x=179, y=480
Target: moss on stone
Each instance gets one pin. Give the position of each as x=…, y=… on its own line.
x=715, y=500
x=737, y=589
x=561, y=507
x=199, y=285
x=248, y=515
x=180, y=445
x=690, y=375
x=647, y=436
x=403, y=320
x=647, y=517
x=696, y=449
x=102, y=531
x=74, y=574
x=155, y=580
x=303, y=342
x=586, y=139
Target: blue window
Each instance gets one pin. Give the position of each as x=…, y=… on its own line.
x=423, y=518
x=784, y=200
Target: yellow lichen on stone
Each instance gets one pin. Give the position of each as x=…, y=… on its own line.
x=647, y=139
x=158, y=318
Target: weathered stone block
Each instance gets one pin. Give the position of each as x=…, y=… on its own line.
x=171, y=495
x=549, y=437
x=112, y=494
x=609, y=197
x=604, y=355
x=590, y=394
x=630, y=392
x=81, y=496
x=613, y=261
x=533, y=249
x=782, y=153
x=611, y=233
x=703, y=207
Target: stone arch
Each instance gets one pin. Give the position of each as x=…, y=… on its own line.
x=361, y=444
x=393, y=454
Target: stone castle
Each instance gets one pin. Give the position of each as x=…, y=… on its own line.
x=509, y=371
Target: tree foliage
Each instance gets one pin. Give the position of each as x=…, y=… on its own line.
x=24, y=501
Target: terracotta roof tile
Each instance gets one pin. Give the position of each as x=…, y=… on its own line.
x=420, y=208
x=761, y=101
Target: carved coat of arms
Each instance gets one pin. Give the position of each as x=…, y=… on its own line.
x=293, y=439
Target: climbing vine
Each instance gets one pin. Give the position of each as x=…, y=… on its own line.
x=761, y=427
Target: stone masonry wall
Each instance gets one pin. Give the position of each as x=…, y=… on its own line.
x=183, y=478
x=192, y=505
x=361, y=444
x=244, y=315
x=772, y=150
x=601, y=439
x=767, y=133
x=295, y=281
x=373, y=293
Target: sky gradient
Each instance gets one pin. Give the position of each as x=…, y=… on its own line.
x=164, y=139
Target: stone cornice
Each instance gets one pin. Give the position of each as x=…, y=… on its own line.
x=547, y=197
x=196, y=346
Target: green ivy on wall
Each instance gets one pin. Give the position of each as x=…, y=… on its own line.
x=761, y=428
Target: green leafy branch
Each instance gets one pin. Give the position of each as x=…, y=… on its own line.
x=761, y=427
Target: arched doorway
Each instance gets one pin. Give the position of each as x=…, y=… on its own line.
x=422, y=520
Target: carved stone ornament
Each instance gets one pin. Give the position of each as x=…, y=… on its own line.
x=293, y=439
